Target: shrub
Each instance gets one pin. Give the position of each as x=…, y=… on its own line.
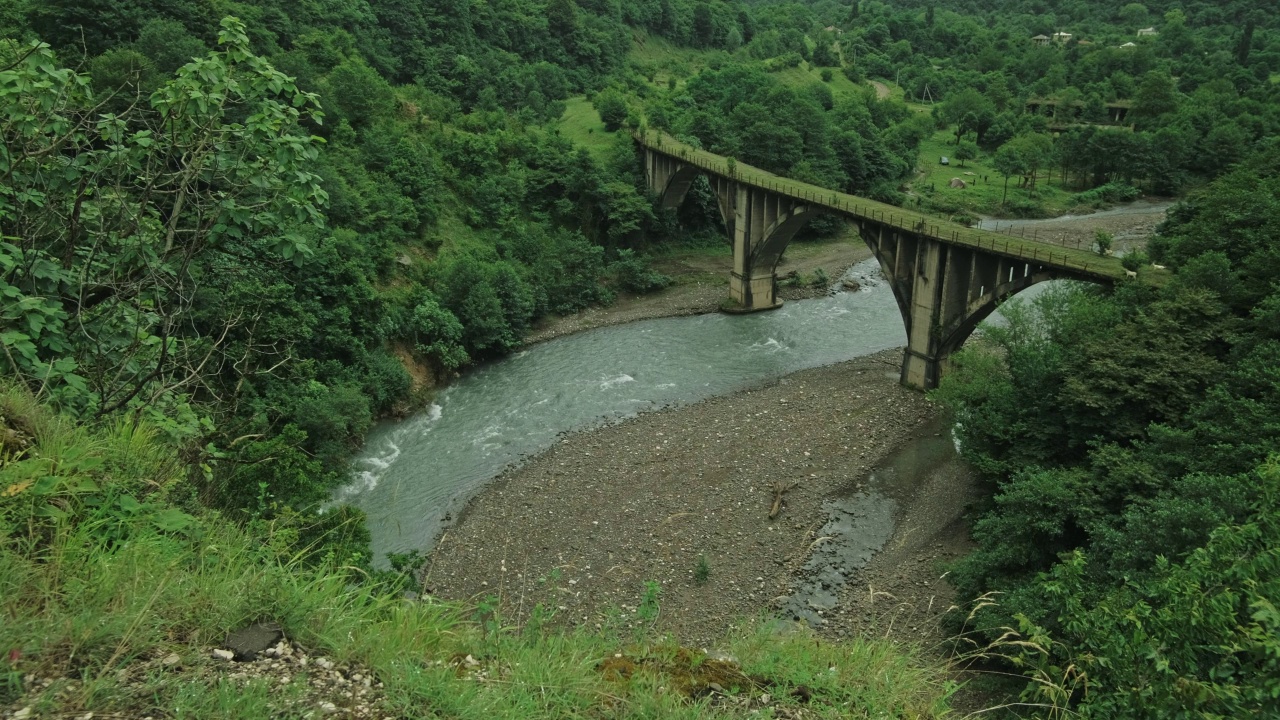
x=1110, y=193
x=631, y=272
x=612, y=108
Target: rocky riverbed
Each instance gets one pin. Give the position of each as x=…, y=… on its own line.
x=582, y=528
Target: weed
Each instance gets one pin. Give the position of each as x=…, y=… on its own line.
x=703, y=570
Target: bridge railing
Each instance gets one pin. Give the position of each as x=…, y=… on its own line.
x=1031, y=250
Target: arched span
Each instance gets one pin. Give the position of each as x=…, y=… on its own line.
x=677, y=188
x=954, y=334
x=778, y=235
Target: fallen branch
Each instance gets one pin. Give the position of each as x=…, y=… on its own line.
x=778, y=490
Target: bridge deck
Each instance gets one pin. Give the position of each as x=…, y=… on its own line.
x=1079, y=262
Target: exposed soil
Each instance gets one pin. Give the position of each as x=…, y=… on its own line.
x=583, y=526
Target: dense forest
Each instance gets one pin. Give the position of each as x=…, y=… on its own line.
x=251, y=228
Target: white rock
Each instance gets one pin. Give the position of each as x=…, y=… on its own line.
x=172, y=659
x=324, y=663
x=328, y=707
x=23, y=713
x=223, y=654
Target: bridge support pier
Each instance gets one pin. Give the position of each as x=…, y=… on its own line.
x=945, y=283
x=943, y=292
x=760, y=223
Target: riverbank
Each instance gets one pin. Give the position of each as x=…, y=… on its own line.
x=582, y=527
x=702, y=284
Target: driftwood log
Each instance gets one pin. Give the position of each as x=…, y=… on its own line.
x=778, y=491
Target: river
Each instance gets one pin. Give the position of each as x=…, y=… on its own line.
x=413, y=476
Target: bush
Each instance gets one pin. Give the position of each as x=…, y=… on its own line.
x=1110, y=193
x=632, y=273
x=783, y=62
x=612, y=108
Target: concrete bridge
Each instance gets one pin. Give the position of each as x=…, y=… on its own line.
x=946, y=278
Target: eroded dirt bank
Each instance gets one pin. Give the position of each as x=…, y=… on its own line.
x=583, y=526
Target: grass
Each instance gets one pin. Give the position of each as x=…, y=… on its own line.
x=582, y=125
x=92, y=603
x=806, y=74
x=933, y=183
x=1077, y=261
x=655, y=55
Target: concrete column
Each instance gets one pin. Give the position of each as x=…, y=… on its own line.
x=920, y=362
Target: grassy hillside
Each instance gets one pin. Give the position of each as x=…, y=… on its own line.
x=581, y=124
x=114, y=601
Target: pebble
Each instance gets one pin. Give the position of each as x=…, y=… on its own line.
x=223, y=654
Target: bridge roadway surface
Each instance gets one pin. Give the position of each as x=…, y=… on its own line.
x=945, y=277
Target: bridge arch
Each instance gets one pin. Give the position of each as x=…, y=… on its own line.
x=946, y=279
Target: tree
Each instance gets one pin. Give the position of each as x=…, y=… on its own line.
x=1134, y=14
x=1156, y=95
x=969, y=110
x=823, y=54
x=612, y=108
x=1102, y=241
x=562, y=21
x=966, y=150
x=109, y=238
x=704, y=29
x=1008, y=161
x=1246, y=42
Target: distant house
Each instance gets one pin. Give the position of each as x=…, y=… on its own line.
x=1062, y=38
x=834, y=29
x=1147, y=32
x=1040, y=40
x=1129, y=45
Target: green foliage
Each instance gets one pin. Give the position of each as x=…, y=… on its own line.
x=702, y=571
x=612, y=108
x=1108, y=194
x=73, y=197
x=1199, y=637
x=1102, y=241
x=1133, y=430
x=632, y=273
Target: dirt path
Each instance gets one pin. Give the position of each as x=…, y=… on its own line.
x=1130, y=226
x=882, y=90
